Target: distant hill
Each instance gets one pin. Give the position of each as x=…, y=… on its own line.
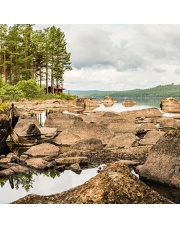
x=163, y=91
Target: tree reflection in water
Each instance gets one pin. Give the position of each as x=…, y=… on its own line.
x=26, y=180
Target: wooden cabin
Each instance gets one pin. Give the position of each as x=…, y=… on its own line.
x=57, y=89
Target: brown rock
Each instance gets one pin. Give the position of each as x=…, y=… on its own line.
x=71, y=160
x=44, y=149
x=163, y=162
x=88, y=144
x=170, y=105
x=115, y=184
x=128, y=103
x=151, y=138
x=38, y=163
x=122, y=140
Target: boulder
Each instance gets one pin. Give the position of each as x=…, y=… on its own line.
x=75, y=168
x=44, y=149
x=108, y=101
x=122, y=140
x=88, y=144
x=38, y=163
x=115, y=184
x=15, y=169
x=48, y=132
x=163, y=162
x=170, y=105
x=28, y=126
x=61, y=121
x=81, y=131
x=128, y=103
x=167, y=122
x=151, y=138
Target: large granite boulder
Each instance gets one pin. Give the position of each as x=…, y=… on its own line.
x=61, y=121
x=163, y=162
x=115, y=184
x=82, y=131
x=27, y=126
x=170, y=105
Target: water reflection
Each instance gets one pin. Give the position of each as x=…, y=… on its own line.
x=41, y=183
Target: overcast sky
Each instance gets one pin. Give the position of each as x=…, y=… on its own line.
x=121, y=57
x=113, y=46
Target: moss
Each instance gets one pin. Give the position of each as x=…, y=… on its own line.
x=3, y=107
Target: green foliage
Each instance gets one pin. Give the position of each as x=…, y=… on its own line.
x=30, y=88
x=163, y=91
x=58, y=96
x=11, y=93
x=1, y=82
x=3, y=107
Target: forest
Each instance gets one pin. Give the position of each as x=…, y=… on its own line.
x=163, y=91
x=28, y=54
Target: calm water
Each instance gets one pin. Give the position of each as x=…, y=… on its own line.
x=52, y=182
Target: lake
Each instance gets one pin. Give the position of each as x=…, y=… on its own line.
x=51, y=182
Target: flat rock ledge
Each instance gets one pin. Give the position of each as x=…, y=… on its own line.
x=115, y=184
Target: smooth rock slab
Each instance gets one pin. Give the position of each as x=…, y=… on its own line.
x=16, y=169
x=38, y=163
x=71, y=160
x=44, y=149
x=151, y=138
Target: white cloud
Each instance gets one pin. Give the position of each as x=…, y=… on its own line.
x=121, y=57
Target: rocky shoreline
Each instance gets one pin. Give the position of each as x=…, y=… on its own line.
x=132, y=138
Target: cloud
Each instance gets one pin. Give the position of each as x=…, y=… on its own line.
x=121, y=57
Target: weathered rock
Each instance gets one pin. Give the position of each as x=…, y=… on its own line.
x=167, y=122
x=88, y=144
x=5, y=160
x=15, y=169
x=170, y=105
x=128, y=103
x=38, y=163
x=28, y=127
x=48, y=132
x=61, y=121
x=44, y=149
x=4, y=127
x=115, y=184
x=163, y=162
x=108, y=101
x=83, y=131
x=151, y=138
x=122, y=140
x=145, y=127
x=71, y=160
x=75, y=168
x=129, y=162
x=122, y=127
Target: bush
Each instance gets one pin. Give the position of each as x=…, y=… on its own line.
x=30, y=88
x=11, y=93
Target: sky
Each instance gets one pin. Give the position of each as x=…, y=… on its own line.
x=117, y=45
x=121, y=56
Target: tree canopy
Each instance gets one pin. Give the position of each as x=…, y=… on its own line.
x=27, y=53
